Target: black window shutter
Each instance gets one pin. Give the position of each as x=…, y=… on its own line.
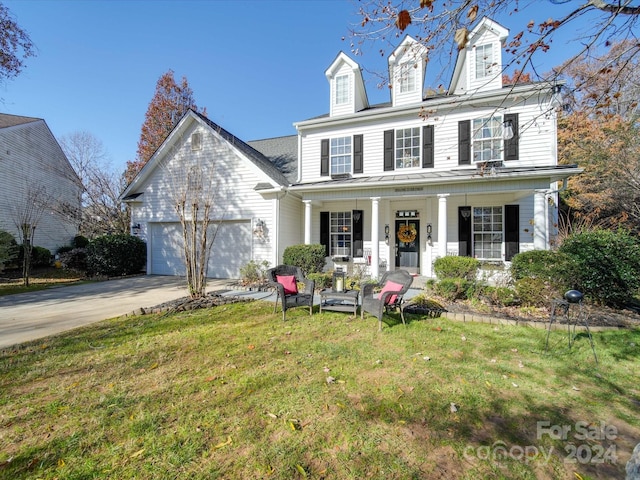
x=357, y=154
x=427, y=146
x=464, y=231
x=511, y=231
x=324, y=231
x=324, y=157
x=464, y=142
x=511, y=146
x=357, y=243
x=388, y=151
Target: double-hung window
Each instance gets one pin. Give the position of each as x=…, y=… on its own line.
x=487, y=233
x=484, y=60
x=340, y=233
x=408, y=146
x=340, y=155
x=342, y=89
x=487, y=139
x=408, y=74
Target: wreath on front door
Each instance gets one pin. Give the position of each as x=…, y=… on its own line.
x=407, y=233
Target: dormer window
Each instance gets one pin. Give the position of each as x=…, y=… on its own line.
x=484, y=60
x=408, y=73
x=342, y=89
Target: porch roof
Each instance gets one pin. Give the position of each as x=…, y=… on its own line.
x=441, y=177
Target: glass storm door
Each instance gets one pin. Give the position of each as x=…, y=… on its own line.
x=407, y=237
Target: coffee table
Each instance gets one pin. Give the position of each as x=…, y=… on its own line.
x=346, y=301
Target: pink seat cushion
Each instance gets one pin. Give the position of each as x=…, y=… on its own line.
x=289, y=284
x=390, y=286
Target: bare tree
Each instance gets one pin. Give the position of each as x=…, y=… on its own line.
x=444, y=27
x=26, y=214
x=15, y=46
x=102, y=211
x=194, y=193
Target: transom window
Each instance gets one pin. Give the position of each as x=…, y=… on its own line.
x=484, y=60
x=487, y=232
x=487, y=139
x=340, y=232
x=340, y=155
x=342, y=89
x=408, y=147
x=408, y=77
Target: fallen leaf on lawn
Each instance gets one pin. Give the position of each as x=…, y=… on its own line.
x=223, y=444
x=514, y=384
x=251, y=347
x=301, y=470
x=453, y=407
x=330, y=380
x=578, y=476
x=327, y=369
x=520, y=365
x=463, y=338
x=493, y=360
x=61, y=463
x=576, y=389
x=272, y=415
x=426, y=359
x=514, y=350
x=138, y=453
x=487, y=382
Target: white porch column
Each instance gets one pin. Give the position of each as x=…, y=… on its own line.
x=375, y=240
x=442, y=224
x=307, y=222
x=540, y=225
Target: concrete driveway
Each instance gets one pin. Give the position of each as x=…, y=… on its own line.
x=28, y=316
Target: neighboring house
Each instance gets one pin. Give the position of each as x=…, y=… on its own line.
x=36, y=174
x=468, y=171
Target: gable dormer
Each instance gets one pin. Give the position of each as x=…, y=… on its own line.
x=346, y=86
x=407, y=67
x=479, y=64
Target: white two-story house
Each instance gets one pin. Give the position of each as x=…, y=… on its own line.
x=471, y=170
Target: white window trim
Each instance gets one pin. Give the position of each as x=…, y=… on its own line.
x=414, y=160
x=340, y=151
x=342, y=86
x=340, y=231
x=496, y=140
x=490, y=231
x=484, y=63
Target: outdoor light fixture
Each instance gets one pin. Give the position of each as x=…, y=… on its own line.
x=556, y=96
x=429, y=230
x=507, y=130
x=135, y=228
x=260, y=229
x=386, y=234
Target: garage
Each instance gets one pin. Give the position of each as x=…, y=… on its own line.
x=231, y=249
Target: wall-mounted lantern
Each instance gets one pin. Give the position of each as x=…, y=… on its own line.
x=386, y=234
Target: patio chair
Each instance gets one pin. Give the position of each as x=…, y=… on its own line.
x=394, y=285
x=285, y=279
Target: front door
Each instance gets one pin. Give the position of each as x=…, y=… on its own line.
x=408, y=245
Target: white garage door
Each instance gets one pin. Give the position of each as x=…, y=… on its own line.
x=231, y=250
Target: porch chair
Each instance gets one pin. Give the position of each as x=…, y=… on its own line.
x=285, y=279
x=394, y=285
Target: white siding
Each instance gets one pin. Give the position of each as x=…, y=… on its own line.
x=31, y=159
x=537, y=139
x=234, y=179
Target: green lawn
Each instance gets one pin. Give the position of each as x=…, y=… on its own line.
x=235, y=393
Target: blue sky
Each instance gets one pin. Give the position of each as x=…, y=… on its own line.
x=256, y=65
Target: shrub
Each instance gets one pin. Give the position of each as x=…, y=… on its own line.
x=545, y=264
x=310, y=258
x=502, y=296
x=536, y=292
x=8, y=249
x=40, y=257
x=253, y=272
x=456, y=267
x=74, y=259
x=605, y=265
x=452, y=289
x=79, y=241
x=115, y=255
x=323, y=280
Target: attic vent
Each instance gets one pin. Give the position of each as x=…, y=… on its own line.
x=196, y=141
